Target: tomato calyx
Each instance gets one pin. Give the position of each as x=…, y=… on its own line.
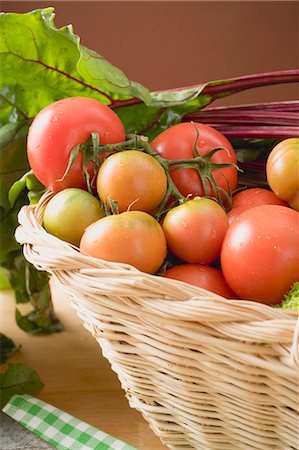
x=111, y=207
x=205, y=167
x=90, y=151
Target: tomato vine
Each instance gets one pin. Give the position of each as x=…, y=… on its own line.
x=92, y=149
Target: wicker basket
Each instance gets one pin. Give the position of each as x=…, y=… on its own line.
x=205, y=372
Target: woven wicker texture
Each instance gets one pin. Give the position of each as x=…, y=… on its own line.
x=205, y=372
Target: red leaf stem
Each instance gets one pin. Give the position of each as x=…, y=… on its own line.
x=221, y=88
x=257, y=132
x=249, y=117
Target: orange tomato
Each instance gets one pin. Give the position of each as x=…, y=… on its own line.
x=132, y=237
x=135, y=180
x=282, y=170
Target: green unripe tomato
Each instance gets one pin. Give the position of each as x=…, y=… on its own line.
x=70, y=212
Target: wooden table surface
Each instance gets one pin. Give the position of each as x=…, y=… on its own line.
x=77, y=378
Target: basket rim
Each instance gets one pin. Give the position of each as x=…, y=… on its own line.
x=105, y=285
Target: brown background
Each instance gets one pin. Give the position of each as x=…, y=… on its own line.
x=172, y=44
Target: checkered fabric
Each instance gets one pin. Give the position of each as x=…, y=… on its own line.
x=59, y=429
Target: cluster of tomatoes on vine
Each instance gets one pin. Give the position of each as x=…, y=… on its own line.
x=142, y=203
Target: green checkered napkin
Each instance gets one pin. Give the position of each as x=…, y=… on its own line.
x=58, y=428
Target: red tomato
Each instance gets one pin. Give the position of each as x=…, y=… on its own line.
x=205, y=277
x=282, y=170
x=177, y=142
x=233, y=214
x=58, y=128
x=134, y=179
x=255, y=197
x=248, y=198
x=132, y=237
x=195, y=230
x=260, y=253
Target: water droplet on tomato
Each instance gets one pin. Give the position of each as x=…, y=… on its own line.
x=55, y=119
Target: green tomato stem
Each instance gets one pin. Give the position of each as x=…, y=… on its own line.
x=202, y=164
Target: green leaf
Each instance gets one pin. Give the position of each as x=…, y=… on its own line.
x=34, y=197
x=8, y=224
x=41, y=64
x=108, y=80
x=15, y=191
x=13, y=157
x=152, y=119
x=246, y=155
x=15, y=264
x=37, y=321
x=31, y=285
x=29, y=182
x=24, y=322
x=32, y=183
x=4, y=281
x=18, y=379
x=291, y=299
x=7, y=347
